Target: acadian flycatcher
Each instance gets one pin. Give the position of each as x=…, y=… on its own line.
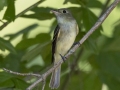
x=64, y=37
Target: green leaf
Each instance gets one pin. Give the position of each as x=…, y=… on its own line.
x=4, y=44
x=40, y=13
x=2, y=4
x=23, y=31
x=35, y=51
x=116, y=32
x=32, y=41
x=109, y=63
x=94, y=4
x=6, y=84
x=86, y=3
x=20, y=84
x=5, y=76
x=83, y=81
x=90, y=44
x=47, y=57
x=81, y=2
x=108, y=66
x=118, y=5
x=41, y=9
x=112, y=83
x=10, y=11
x=112, y=44
x=89, y=18
x=1, y=59
x=75, y=80
x=46, y=53
x=94, y=78
x=15, y=63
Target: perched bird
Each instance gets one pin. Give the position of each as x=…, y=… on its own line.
x=64, y=37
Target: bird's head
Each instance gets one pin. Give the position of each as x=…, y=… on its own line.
x=63, y=15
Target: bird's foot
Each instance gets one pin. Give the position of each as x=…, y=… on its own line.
x=63, y=58
x=76, y=43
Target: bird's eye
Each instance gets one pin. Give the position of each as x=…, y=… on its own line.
x=64, y=11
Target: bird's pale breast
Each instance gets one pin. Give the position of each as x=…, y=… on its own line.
x=65, y=41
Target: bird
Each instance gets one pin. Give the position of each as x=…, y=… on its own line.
x=63, y=39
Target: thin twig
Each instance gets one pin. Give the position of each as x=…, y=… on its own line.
x=96, y=25
x=21, y=74
x=21, y=13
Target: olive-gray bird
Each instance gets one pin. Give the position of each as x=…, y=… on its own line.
x=64, y=37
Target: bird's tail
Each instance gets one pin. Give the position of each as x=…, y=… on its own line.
x=55, y=78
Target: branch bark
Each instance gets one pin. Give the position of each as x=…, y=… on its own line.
x=96, y=25
x=21, y=13
x=21, y=74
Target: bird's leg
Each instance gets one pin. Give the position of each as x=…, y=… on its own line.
x=63, y=58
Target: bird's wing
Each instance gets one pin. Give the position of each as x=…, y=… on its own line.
x=56, y=33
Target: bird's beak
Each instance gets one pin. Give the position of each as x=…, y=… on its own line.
x=55, y=12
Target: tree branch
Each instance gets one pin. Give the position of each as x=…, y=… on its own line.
x=96, y=25
x=22, y=74
x=21, y=13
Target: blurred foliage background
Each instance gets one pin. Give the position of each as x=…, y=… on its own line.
x=25, y=45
